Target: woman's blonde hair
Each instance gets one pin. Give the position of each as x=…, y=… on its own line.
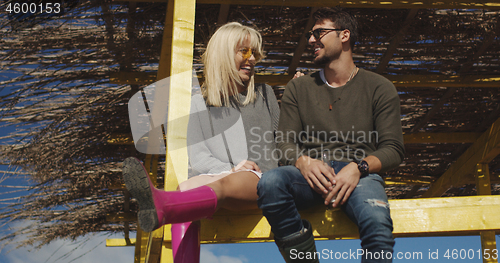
x=221, y=74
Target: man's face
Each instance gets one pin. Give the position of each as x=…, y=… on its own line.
x=328, y=46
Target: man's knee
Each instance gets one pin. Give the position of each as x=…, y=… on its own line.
x=377, y=219
x=274, y=186
x=379, y=212
x=272, y=179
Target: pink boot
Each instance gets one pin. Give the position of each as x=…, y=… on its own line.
x=158, y=207
x=186, y=242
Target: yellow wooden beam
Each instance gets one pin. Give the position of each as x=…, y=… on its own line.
x=117, y=186
x=390, y=180
x=121, y=217
x=132, y=77
x=487, y=4
x=489, y=246
x=441, y=137
x=120, y=242
x=493, y=180
x=140, y=249
x=120, y=139
x=412, y=217
x=223, y=14
x=483, y=150
x=445, y=216
x=302, y=45
x=155, y=253
x=152, y=248
x=148, y=245
x=414, y=81
x=414, y=138
x=483, y=187
x=180, y=90
x=181, y=19
x=365, y=4
x=483, y=182
x=396, y=40
x=477, y=81
x=151, y=165
x=396, y=180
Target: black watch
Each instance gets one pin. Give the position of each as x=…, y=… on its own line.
x=363, y=168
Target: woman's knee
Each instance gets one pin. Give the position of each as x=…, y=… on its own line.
x=186, y=185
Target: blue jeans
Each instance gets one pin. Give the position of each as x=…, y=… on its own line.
x=284, y=191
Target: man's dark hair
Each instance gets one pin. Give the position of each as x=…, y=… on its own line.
x=341, y=19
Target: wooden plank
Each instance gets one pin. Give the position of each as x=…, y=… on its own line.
x=487, y=4
x=154, y=251
x=441, y=137
x=489, y=246
x=181, y=15
x=121, y=217
x=179, y=91
x=120, y=139
x=120, y=242
x=445, y=216
x=223, y=14
x=132, y=77
x=483, y=186
x=396, y=40
x=303, y=42
x=414, y=138
x=412, y=217
x=414, y=81
x=483, y=182
x=396, y=180
x=483, y=150
x=140, y=249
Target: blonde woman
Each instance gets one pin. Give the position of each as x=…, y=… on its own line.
x=230, y=138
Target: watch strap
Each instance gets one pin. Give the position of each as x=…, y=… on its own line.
x=363, y=168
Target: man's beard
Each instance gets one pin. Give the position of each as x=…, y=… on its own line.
x=326, y=59
x=322, y=61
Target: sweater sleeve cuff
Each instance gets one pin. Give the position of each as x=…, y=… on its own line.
x=389, y=159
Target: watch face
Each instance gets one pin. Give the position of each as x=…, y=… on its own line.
x=363, y=168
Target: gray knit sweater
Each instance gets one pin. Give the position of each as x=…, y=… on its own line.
x=248, y=130
x=350, y=122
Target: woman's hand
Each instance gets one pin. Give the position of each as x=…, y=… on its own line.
x=298, y=74
x=246, y=165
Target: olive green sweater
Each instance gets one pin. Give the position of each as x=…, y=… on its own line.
x=350, y=122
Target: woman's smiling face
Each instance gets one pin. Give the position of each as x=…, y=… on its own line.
x=244, y=63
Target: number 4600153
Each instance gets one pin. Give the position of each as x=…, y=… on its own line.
x=33, y=8
x=471, y=254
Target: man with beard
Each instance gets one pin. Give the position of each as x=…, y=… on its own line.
x=338, y=128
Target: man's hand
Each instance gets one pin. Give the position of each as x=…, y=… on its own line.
x=318, y=175
x=346, y=181
x=246, y=165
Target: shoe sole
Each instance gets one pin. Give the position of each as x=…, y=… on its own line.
x=137, y=182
